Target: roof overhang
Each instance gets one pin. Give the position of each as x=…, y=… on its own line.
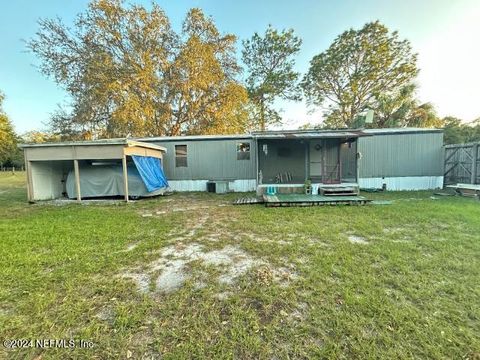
x=196, y=138
x=103, y=142
x=91, y=150
x=310, y=134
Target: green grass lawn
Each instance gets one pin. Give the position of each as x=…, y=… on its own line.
x=376, y=281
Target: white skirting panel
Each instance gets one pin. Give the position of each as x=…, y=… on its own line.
x=403, y=183
x=201, y=185
x=188, y=185
x=243, y=185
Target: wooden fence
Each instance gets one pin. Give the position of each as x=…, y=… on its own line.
x=462, y=164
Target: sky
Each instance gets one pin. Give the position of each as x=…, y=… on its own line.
x=444, y=33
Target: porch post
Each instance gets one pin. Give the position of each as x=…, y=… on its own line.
x=307, y=159
x=125, y=177
x=339, y=159
x=77, y=180
x=324, y=166
x=30, y=196
x=356, y=160
x=256, y=162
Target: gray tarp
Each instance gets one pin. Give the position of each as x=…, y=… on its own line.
x=103, y=181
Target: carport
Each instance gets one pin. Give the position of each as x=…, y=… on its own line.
x=47, y=164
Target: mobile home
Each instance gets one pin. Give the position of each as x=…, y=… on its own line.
x=396, y=159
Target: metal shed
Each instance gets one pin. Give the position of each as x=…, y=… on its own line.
x=47, y=164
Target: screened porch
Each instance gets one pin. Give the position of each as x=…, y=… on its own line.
x=289, y=159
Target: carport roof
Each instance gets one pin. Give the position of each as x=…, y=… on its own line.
x=102, y=142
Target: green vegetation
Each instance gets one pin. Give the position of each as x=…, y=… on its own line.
x=128, y=72
x=9, y=154
x=270, y=66
x=360, y=70
x=391, y=281
x=458, y=132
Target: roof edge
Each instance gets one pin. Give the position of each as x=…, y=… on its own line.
x=146, y=141
x=102, y=142
x=196, y=137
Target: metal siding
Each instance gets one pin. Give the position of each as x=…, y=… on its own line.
x=212, y=160
x=47, y=178
x=396, y=155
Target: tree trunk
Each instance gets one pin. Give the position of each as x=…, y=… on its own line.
x=262, y=114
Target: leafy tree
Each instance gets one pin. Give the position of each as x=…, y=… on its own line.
x=270, y=63
x=204, y=95
x=8, y=138
x=458, y=132
x=401, y=108
x=357, y=70
x=423, y=115
x=128, y=73
x=392, y=109
x=39, y=137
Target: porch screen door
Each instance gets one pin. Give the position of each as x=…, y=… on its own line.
x=331, y=164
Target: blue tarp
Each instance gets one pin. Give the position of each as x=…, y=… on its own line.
x=151, y=172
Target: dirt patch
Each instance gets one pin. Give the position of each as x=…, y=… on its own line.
x=172, y=277
x=298, y=314
x=354, y=239
x=223, y=295
x=173, y=266
x=106, y=314
x=393, y=230
x=88, y=202
x=141, y=280
x=131, y=247
x=267, y=274
x=258, y=238
x=185, y=260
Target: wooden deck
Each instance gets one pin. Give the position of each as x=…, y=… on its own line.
x=469, y=190
x=317, y=188
x=312, y=200
x=247, y=201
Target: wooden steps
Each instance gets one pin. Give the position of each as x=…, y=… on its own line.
x=338, y=190
x=247, y=201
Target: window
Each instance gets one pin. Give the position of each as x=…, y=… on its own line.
x=180, y=155
x=243, y=151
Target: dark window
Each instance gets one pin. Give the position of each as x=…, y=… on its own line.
x=243, y=151
x=284, y=152
x=181, y=155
